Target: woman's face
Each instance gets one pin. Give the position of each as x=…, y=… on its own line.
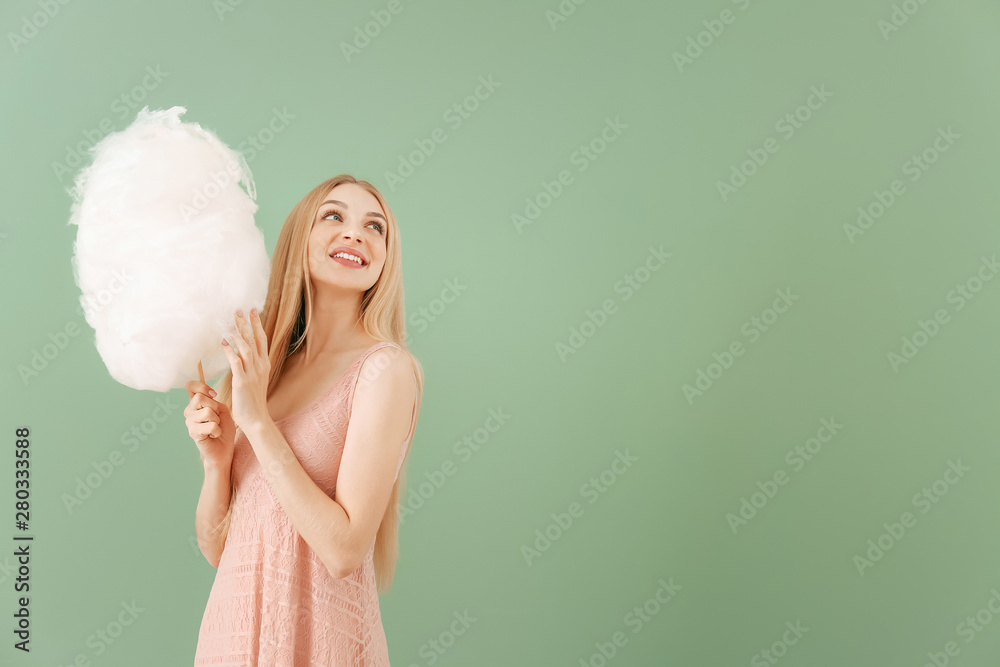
x=350, y=220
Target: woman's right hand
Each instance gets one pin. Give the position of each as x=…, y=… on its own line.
x=210, y=424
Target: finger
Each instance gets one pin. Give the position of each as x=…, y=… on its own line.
x=258, y=332
x=194, y=428
x=235, y=362
x=200, y=400
x=208, y=430
x=197, y=387
x=193, y=409
x=244, y=326
x=193, y=405
x=205, y=414
x=239, y=339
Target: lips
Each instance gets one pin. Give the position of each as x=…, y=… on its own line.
x=350, y=251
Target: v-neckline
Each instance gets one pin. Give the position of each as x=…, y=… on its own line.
x=329, y=389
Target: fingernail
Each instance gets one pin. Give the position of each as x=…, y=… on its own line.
x=253, y=311
x=225, y=342
x=211, y=392
x=239, y=312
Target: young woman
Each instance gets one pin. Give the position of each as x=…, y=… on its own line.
x=304, y=441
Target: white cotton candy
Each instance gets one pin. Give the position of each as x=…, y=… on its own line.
x=166, y=249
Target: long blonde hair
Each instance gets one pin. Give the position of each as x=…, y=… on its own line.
x=286, y=317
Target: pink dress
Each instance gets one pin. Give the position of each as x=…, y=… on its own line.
x=273, y=602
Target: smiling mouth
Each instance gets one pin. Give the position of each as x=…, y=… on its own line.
x=348, y=259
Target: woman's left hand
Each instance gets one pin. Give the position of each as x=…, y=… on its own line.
x=251, y=370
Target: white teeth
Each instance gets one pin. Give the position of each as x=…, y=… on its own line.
x=353, y=258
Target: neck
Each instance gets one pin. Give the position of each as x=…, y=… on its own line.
x=335, y=325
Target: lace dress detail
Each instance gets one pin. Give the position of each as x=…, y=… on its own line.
x=273, y=602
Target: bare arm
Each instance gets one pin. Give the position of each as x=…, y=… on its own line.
x=212, y=507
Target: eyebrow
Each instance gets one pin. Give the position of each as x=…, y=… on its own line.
x=371, y=213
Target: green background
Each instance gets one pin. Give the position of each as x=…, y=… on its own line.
x=496, y=346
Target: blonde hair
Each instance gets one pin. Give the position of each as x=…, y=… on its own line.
x=286, y=317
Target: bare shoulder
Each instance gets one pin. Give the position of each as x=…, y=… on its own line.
x=387, y=387
x=390, y=367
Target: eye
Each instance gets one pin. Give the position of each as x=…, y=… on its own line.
x=378, y=225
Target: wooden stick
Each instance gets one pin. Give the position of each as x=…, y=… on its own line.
x=201, y=373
